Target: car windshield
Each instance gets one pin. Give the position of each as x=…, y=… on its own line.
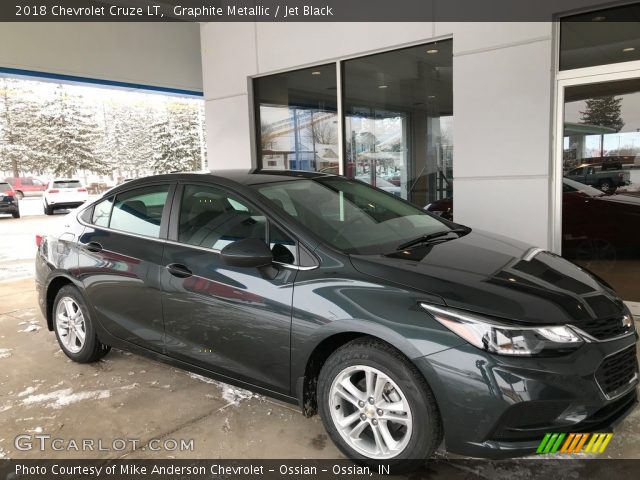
x=67, y=183
x=5, y=187
x=351, y=216
x=569, y=185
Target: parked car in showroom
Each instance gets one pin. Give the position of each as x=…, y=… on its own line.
x=399, y=327
x=9, y=204
x=599, y=176
x=63, y=193
x=26, y=186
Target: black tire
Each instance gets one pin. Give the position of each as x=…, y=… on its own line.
x=19, y=195
x=48, y=210
x=16, y=214
x=606, y=187
x=92, y=350
x=427, y=431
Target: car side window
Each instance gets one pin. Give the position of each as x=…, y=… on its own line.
x=139, y=211
x=577, y=171
x=102, y=212
x=211, y=218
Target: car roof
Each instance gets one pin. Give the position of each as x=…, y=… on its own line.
x=243, y=177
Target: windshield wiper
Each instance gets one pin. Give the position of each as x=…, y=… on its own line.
x=433, y=236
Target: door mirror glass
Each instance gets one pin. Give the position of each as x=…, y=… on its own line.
x=249, y=252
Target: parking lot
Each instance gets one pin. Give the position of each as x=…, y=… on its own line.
x=152, y=406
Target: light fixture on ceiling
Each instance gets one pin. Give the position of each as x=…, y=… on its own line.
x=383, y=86
x=316, y=72
x=599, y=18
x=431, y=51
x=629, y=49
x=431, y=97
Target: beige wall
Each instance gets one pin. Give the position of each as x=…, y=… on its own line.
x=157, y=54
x=502, y=104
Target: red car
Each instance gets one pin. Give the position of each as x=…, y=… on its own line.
x=26, y=186
x=594, y=224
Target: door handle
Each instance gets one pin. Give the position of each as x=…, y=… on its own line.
x=94, y=247
x=178, y=270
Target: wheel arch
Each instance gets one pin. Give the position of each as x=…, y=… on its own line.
x=306, y=383
x=53, y=287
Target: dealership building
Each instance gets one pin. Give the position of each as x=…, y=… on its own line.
x=510, y=127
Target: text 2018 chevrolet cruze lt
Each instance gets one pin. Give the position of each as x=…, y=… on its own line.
x=400, y=328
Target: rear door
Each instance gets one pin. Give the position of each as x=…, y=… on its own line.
x=231, y=320
x=121, y=261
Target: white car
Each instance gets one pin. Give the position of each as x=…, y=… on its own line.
x=381, y=183
x=63, y=193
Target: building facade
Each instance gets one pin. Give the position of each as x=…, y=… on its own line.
x=483, y=122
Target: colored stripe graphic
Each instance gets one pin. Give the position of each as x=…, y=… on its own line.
x=583, y=440
x=543, y=443
x=568, y=442
x=574, y=442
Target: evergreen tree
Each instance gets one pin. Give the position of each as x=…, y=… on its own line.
x=70, y=135
x=603, y=111
x=20, y=119
x=176, y=139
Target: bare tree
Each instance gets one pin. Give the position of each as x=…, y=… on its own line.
x=324, y=132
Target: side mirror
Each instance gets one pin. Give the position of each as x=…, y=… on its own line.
x=248, y=252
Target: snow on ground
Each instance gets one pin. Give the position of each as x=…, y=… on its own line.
x=233, y=395
x=64, y=397
x=5, y=352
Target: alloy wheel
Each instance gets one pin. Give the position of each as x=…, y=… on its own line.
x=370, y=412
x=70, y=324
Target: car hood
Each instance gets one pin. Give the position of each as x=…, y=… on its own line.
x=500, y=277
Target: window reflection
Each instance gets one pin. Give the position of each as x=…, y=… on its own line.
x=297, y=118
x=601, y=184
x=399, y=121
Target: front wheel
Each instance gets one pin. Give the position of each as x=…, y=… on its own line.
x=16, y=214
x=377, y=407
x=74, y=328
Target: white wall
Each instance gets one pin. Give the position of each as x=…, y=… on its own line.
x=156, y=54
x=502, y=104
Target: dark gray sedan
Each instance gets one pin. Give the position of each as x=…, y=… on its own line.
x=399, y=327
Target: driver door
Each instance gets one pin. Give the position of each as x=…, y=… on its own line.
x=231, y=320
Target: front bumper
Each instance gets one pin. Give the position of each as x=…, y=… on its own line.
x=8, y=208
x=501, y=407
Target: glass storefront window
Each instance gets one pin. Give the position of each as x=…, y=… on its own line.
x=601, y=181
x=600, y=38
x=297, y=120
x=398, y=109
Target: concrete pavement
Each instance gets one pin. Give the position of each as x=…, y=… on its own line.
x=129, y=397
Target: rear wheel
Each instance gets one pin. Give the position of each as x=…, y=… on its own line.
x=16, y=214
x=605, y=186
x=376, y=406
x=48, y=210
x=74, y=328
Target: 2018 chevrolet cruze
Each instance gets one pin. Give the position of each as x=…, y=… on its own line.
x=399, y=327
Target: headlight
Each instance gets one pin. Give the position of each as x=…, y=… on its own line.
x=495, y=337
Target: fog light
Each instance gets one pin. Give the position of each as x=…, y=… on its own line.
x=573, y=414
